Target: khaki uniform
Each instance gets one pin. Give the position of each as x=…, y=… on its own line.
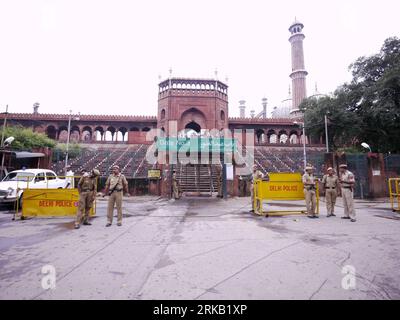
x=331, y=184
x=309, y=194
x=117, y=183
x=255, y=176
x=87, y=186
x=175, y=186
x=347, y=182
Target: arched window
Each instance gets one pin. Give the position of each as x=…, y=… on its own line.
x=163, y=114
x=51, y=132
x=222, y=115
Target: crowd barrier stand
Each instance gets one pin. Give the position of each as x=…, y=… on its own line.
x=394, y=193
x=283, y=187
x=49, y=202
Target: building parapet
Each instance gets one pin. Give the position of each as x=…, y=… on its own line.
x=82, y=117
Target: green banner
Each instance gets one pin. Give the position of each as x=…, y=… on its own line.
x=221, y=145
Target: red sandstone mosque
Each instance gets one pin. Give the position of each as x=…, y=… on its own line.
x=193, y=104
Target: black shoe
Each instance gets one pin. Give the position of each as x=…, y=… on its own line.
x=311, y=217
x=315, y=217
x=333, y=215
x=108, y=225
x=119, y=224
x=77, y=226
x=86, y=223
x=345, y=217
x=353, y=220
x=251, y=211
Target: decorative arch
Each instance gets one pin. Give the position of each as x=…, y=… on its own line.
x=193, y=126
x=192, y=115
x=110, y=133
x=120, y=136
x=62, y=133
x=283, y=136
x=260, y=135
x=51, y=132
x=272, y=136
x=86, y=134
x=293, y=137
x=75, y=134
x=99, y=133
x=222, y=115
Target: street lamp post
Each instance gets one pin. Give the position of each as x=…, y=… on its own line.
x=68, y=134
x=326, y=134
x=304, y=142
x=304, y=147
x=4, y=127
x=366, y=146
x=2, y=142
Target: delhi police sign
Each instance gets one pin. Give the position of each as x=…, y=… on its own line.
x=281, y=186
x=195, y=144
x=51, y=203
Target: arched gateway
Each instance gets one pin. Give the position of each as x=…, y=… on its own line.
x=193, y=107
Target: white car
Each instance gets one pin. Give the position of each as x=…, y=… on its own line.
x=14, y=183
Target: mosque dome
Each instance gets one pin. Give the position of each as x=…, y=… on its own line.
x=283, y=111
x=317, y=94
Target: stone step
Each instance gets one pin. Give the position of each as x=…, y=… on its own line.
x=194, y=180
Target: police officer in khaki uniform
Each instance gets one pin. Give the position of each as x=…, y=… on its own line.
x=309, y=182
x=347, y=181
x=175, y=186
x=330, y=182
x=116, y=184
x=219, y=181
x=87, y=188
x=257, y=174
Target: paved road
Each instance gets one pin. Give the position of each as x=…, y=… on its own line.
x=202, y=248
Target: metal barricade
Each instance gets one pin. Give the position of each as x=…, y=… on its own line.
x=49, y=202
x=394, y=193
x=280, y=186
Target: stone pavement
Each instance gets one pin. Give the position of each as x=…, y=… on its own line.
x=204, y=248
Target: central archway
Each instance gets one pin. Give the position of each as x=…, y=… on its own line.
x=193, y=126
x=193, y=117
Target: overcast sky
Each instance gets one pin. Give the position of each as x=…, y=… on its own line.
x=105, y=57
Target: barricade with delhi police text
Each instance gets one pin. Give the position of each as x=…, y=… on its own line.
x=47, y=202
x=283, y=187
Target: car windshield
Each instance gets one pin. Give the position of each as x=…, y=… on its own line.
x=19, y=176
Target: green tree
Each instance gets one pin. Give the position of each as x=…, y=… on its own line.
x=26, y=139
x=366, y=109
x=74, y=150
